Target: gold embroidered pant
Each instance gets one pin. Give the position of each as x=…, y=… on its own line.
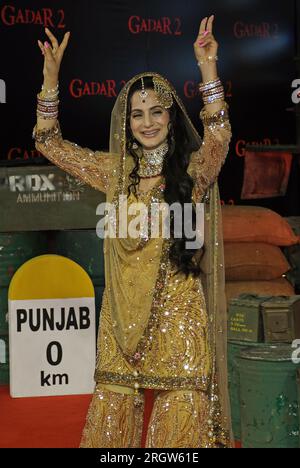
x=179, y=419
x=114, y=419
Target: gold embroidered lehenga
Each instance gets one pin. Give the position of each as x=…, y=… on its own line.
x=157, y=330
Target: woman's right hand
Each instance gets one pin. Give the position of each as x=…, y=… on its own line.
x=53, y=55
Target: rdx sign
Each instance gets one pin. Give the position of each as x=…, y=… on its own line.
x=31, y=183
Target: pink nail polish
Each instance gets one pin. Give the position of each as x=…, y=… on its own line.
x=205, y=33
x=46, y=44
x=201, y=43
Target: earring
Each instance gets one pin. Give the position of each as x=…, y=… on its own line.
x=131, y=142
x=134, y=144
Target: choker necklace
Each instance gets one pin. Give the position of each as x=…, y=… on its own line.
x=151, y=161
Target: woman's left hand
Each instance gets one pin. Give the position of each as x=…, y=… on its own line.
x=205, y=44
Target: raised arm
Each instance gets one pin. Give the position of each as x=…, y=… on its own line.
x=206, y=163
x=95, y=168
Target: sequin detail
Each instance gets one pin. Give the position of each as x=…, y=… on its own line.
x=206, y=163
x=174, y=349
x=114, y=420
x=180, y=419
x=95, y=168
x=156, y=383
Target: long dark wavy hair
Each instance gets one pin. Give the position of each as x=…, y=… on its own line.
x=178, y=183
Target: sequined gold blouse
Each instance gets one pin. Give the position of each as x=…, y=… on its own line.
x=153, y=324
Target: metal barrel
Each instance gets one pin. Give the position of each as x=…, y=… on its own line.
x=233, y=350
x=268, y=397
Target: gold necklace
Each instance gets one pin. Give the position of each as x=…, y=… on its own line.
x=151, y=162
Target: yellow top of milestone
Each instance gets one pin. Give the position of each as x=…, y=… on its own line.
x=50, y=277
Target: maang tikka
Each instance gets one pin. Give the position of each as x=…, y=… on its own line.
x=143, y=94
x=162, y=91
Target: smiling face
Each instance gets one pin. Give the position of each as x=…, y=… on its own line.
x=148, y=120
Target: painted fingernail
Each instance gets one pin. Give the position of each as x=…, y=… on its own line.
x=46, y=44
x=205, y=33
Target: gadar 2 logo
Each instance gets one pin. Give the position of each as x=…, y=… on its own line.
x=296, y=92
x=296, y=353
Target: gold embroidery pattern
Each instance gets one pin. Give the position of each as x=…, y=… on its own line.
x=206, y=163
x=180, y=419
x=158, y=360
x=114, y=420
x=95, y=168
x=177, y=353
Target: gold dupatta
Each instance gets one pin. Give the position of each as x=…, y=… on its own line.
x=212, y=263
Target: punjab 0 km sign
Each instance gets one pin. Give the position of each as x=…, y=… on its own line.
x=51, y=328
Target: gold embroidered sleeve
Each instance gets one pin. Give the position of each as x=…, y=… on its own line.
x=206, y=163
x=95, y=168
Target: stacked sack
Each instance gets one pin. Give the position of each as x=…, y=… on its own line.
x=254, y=261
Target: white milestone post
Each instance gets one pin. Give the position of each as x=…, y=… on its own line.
x=52, y=338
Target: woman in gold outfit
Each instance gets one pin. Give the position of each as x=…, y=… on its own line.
x=163, y=315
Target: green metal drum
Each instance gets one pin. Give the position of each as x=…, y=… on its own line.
x=268, y=396
x=233, y=350
x=4, y=360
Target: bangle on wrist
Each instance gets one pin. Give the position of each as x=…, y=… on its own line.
x=210, y=58
x=205, y=86
x=47, y=102
x=47, y=90
x=217, y=89
x=214, y=99
x=212, y=91
x=49, y=93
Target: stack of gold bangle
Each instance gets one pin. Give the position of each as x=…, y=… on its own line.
x=212, y=91
x=47, y=103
